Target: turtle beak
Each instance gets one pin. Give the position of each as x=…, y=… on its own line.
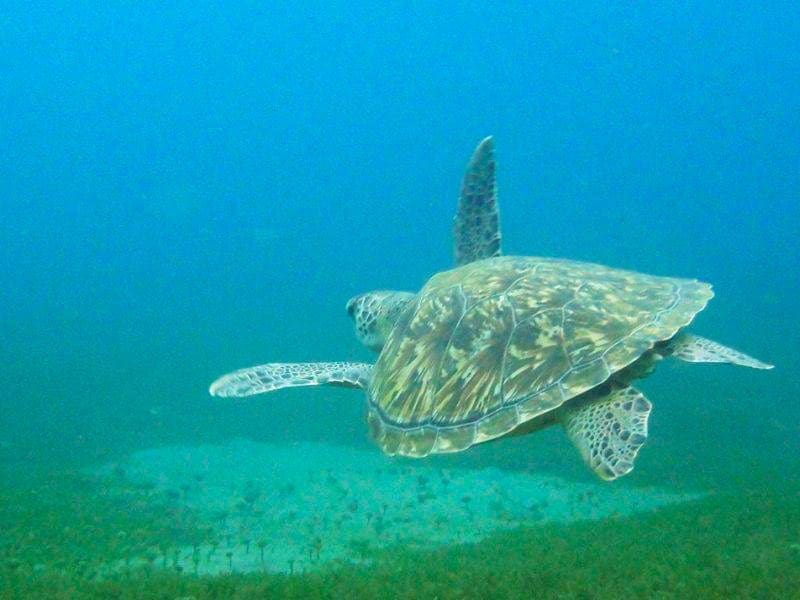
x=351, y=306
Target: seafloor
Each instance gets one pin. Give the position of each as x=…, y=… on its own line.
x=242, y=520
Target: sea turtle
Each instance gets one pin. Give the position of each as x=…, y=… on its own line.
x=506, y=345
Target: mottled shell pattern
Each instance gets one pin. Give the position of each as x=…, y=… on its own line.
x=498, y=342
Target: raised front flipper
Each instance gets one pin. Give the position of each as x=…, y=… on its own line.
x=476, y=230
x=693, y=348
x=609, y=430
x=274, y=376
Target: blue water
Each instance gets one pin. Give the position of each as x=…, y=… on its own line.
x=193, y=188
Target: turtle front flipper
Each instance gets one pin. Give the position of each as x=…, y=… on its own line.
x=608, y=428
x=274, y=376
x=693, y=348
x=476, y=230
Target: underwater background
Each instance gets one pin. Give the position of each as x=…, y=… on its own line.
x=193, y=188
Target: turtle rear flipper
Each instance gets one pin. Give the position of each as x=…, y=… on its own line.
x=476, y=230
x=693, y=348
x=274, y=376
x=609, y=430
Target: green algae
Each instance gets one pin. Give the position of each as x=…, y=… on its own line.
x=58, y=535
x=69, y=528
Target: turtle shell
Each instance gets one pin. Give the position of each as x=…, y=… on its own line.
x=498, y=342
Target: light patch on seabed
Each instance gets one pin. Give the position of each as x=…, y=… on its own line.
x=296, y=508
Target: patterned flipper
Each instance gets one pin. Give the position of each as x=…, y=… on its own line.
x=609, y=430
x=693, y=348
x=476, y=230
x=274, y=376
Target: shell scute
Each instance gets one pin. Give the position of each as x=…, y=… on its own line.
x=455, y=439
x=469, y=366
x=496, y=424
x=417, y=343
x=535, y=357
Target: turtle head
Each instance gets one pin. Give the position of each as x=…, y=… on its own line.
x=375, y=313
